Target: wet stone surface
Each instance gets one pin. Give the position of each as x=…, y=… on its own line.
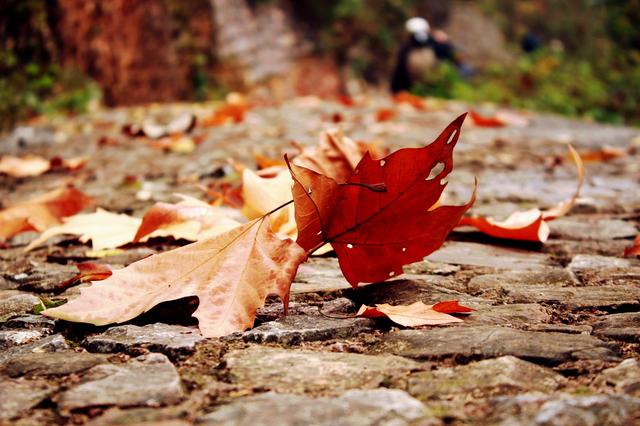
x=554, y=338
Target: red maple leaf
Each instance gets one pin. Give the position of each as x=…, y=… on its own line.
x=383, y=217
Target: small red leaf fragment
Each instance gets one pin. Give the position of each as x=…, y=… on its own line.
x=451, y=307
x=634, y=249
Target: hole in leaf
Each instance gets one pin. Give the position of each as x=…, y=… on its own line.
x=444, y=181
x=350, y=245
x=435, y=171
x=391, y=273
x=309, y=191
x=382, y=163
x=453, y=134
x=404, y=249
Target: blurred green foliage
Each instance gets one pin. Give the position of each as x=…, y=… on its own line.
x=31, y=83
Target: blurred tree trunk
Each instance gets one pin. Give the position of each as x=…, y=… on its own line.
x=126, y=46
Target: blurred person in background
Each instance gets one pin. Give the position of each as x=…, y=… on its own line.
x=421, y=52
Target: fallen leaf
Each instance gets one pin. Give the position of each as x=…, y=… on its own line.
x=415, y=314
x=42, y=212
x=70, y=164
x=264, y=162
x=189, y=219
x=89, y=271
x=335, y=155
x=106, y=230
x=451, y=307
x=633, y=250
x=385, y=114
x=231, y=275
x=184, y=123
x=530, y=225
x=380, y=219
x=499, y=119
x=407, y=98
x=262, y=195
x=232, y=111
x=30, y=165
x=605, y=153
x=483, y=121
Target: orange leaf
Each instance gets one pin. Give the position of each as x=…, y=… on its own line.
x=407, y=98
x=385, y=114
x=42, y=212
x=413, y=315
x=335, y=156
x=633, y=250
x=380, y=219
x=605, y=153
x=264, y=162
x=231, y=275
x=482, y=121
x=89, y=271
x=190, y=219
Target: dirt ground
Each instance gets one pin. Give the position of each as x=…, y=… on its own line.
x=554, y=338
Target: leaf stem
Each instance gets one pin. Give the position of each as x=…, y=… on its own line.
x=278, y=208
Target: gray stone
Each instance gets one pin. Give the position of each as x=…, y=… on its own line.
x=14, y=302
x=275, y=311
x=584, y=261
x=488, y=341
x=565, y=410
x=19, y=396
x=625, y=377
x=561, y=328
x=172, y=340
x=48, y=344
x=551, y=287
x=149, y=380
x=473, y=254
x=411, y=288
x=46, y=277
x=9, y=338
x=481, y=379
x=319, y=275
x=50, y=364
x=168, y=416
x=296, y=371
x=585, y=228
x=625, y=326
x=31, y=322
x=516, y=314
x=380, y=407
x=431, y=268
x=553, y=277
x=295, y=329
